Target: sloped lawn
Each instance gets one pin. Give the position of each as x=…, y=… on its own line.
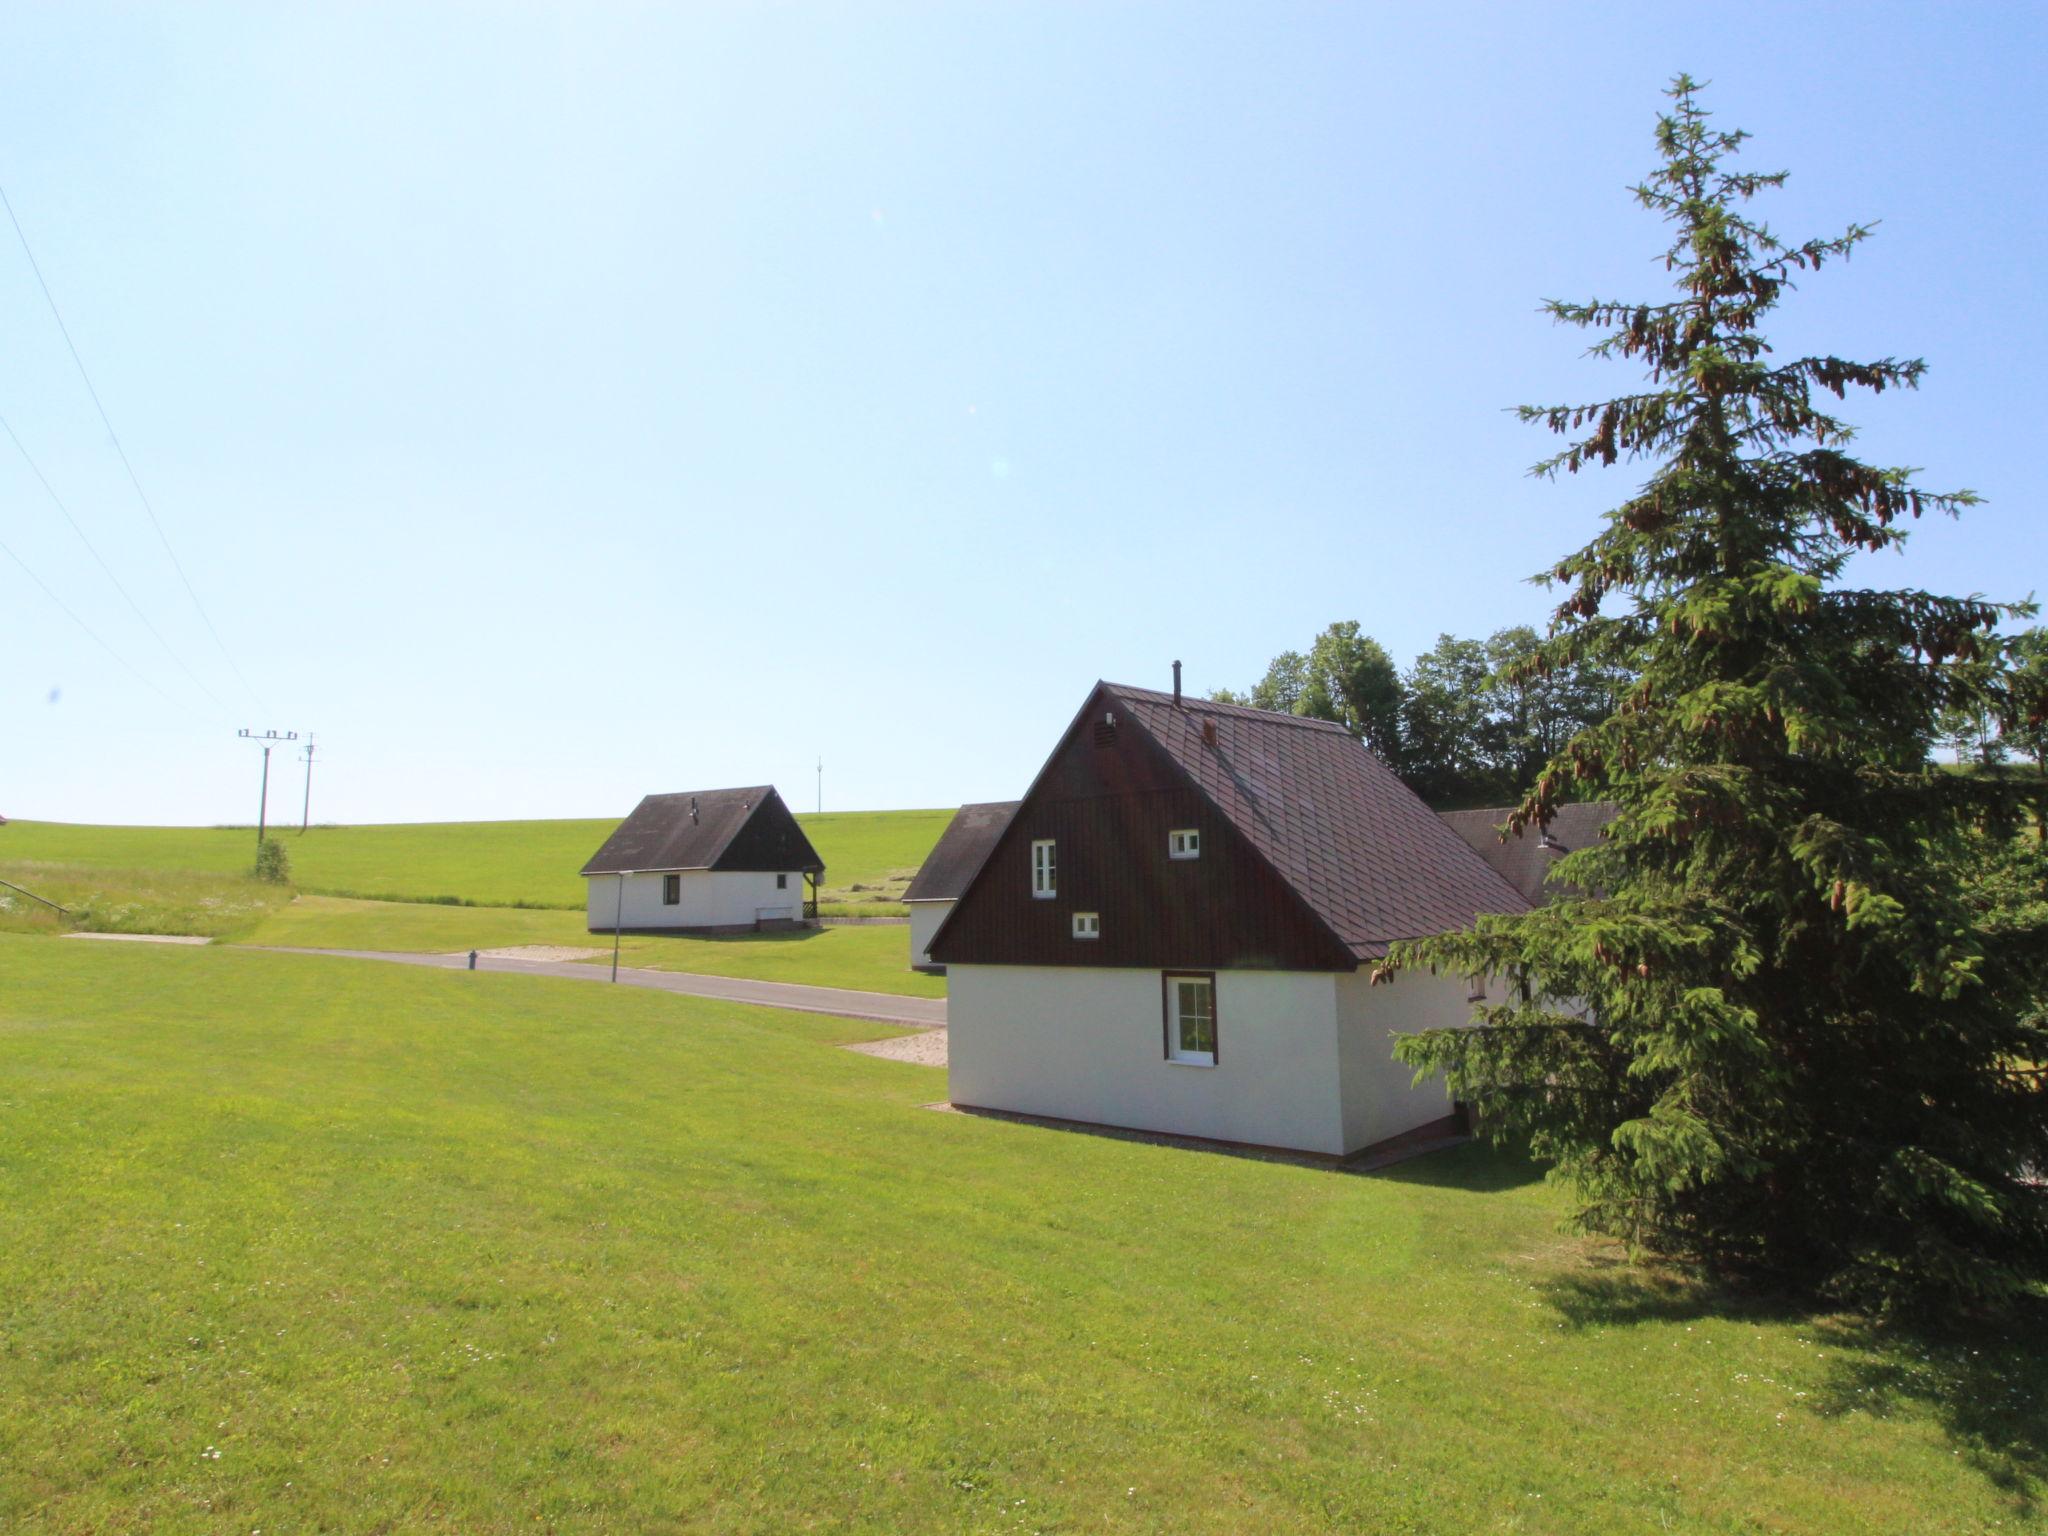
x=297, y=1244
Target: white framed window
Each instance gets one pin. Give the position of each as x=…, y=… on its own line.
x=1087, y=925
x=671, y=890
x=1045, y=869
x=1190, y=1007
x=1184, y=843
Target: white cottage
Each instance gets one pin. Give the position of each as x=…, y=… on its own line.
x=705, y=861
x=1175, y=929
x=953, y=862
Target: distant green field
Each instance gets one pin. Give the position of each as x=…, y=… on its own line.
x=291, y=1244
x=489, y=863
x=868, y=959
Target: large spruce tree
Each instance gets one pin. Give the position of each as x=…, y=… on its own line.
x=1795, y=1030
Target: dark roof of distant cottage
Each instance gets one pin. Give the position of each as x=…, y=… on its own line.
x=961, y=850
x=1525, y=861
x=746, y=829
x=1358, y=845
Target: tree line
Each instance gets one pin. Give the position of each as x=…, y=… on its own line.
x=1467, y=724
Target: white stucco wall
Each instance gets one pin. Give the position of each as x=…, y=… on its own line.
x=925, y=917
x=1305, y=1059
x=1379, y=1101
x=1088, y=1044
x=709, y=900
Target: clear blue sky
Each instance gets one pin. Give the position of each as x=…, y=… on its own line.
x=558, y=406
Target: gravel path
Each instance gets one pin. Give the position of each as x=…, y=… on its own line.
x=925, y=1050
x=884, y=1007
x=140, y=938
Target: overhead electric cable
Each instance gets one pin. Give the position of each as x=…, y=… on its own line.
x=58, y=502
x=115, y=438
x=65, y=609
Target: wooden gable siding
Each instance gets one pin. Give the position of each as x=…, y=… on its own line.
x=1109, y=806
x=771, y=840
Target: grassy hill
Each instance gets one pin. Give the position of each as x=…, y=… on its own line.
x=482, y=863
x=298, y=1244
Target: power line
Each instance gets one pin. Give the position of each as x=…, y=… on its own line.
x=92, y=550
x=92, y=633
x=115, y=438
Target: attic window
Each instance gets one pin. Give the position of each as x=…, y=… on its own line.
x=1045, y=872
x=1087, y=925
x=1105, y=731
x=1184, y=843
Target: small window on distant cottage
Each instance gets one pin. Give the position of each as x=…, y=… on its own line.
x=1184, y=844
x=671, y=890
x=1191, y=1018
x=782, y=882
x=1475, y=987
x=1087, y=925
x=1045, y=883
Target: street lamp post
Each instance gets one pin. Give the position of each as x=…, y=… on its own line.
x=618, y=917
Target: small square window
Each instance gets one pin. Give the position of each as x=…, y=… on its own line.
x=1087, y=925
x=1045, y=883
x=782, y=882
x=1184, y=843
x=671, y=890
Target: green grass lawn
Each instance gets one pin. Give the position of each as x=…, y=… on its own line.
x=867, y=959
x=491, y=863
x=295, y=1244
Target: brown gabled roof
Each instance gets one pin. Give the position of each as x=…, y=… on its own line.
x=1359, y=846
x=961, y=850
x=1525, y=861
x=724, y=829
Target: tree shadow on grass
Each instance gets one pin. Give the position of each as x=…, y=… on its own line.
x=1472, y=1166
x=1985, y=1384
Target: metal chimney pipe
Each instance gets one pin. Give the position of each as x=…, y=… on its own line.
x=1176, y=685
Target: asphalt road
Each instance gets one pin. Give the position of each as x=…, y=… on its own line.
x=882, y=1007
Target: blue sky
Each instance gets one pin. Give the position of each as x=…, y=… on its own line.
x=554, y=405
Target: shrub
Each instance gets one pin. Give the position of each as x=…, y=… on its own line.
x=273, y=863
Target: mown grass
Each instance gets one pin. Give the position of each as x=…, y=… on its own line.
x=483, y=863
x=296, y=1244
x=102, y=900
x=865, y=959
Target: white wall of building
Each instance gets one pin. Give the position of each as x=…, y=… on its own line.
x=1305, y=1059
x=709, y=900
x=925, y=917
x=1380, y=1099
x=1080, y=1043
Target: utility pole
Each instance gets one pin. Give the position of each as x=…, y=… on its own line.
x=306, y=810
x=266, y=740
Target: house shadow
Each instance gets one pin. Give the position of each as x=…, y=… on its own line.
x=1984, y=1383
x=1449, y=1162
x=790, y=935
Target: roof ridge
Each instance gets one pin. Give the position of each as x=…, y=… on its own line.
x=1223, y=707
